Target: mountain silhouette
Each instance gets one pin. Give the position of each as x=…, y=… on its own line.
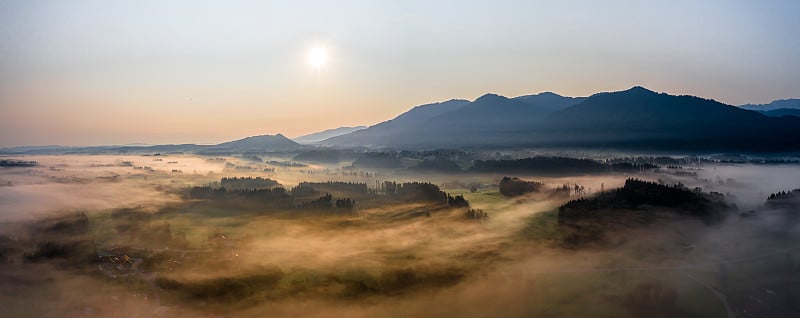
x=636, y=118
x=641, y=118
x=384, y=133
x=258, y=144
x=254, y=144
x=781, y=112
x=325, y=134
x=633, y=119
x=778, y=104
x=549, y=101
x=445, y=123
x=489, y=111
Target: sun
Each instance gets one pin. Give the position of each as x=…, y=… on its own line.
x=317, y=57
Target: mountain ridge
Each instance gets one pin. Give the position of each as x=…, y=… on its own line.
x=789, y=103
x=636, y=118
x=251, y=144
x=325, y=134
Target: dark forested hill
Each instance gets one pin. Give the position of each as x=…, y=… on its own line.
x=781, y=112
x=549, y=102
x=325, y=134
x=633, y=119
x=778, y=104
x=640, y=118
x=383, y=133
x=451, y=122
x=636, y=118
x=263, y=143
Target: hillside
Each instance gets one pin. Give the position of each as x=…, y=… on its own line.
x=325, y=134
x=637, y=203
x=793, y=103
x=447, y=123
x=549, y=101
x=254, y=144
x=636, y=118
x=781, y=112
x=262, y=143
x=640, y=118
x=384, y=132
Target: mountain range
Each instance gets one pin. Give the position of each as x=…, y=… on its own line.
x=254, y=144
x=778, y=108
x=637, y=119
x=421, y=126
x=325, y=134
x=778, y=104
x=780, y=112
x=633, y=119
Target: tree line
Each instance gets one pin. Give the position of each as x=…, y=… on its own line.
x=332, y=195
x=253, y=183
x=557, y=165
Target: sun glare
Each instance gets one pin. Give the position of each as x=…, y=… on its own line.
x=318, y=57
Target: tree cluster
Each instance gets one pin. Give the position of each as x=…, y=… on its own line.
x=784, y=195
x=17, y=163
x=630, y=167
x=558, y=165
x=476, y=214
x=636, y=193
x=252, y=157
x=512, y=187
x=785, y=200
x=324, y=202
x=274, y=197
x=345, y=204
x=436, y=165
x=287, y=164
x=378, y=160
x=325, y=155
x=540, y=165
x=457, y=201
x=337, y=195
x=414, y=191
x=351, y=188
x=248, y=183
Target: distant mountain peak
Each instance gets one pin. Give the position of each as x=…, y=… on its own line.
x=640, y=89
x=791, y=103
x=455, y=102
x=633, y=92
x=543, y=94
x=260, y=141
x=490, y=97
x=265, y=136
x=635, y=118
x=325, y=134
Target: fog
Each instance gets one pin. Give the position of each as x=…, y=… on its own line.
x=751, y=184
x=68, y=183
x=388, y=259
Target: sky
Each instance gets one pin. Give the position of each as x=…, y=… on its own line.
x=118, y=72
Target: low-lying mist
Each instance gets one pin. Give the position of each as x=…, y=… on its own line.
x=95, y=236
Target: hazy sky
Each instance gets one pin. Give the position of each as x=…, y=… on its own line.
x=114, y=72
